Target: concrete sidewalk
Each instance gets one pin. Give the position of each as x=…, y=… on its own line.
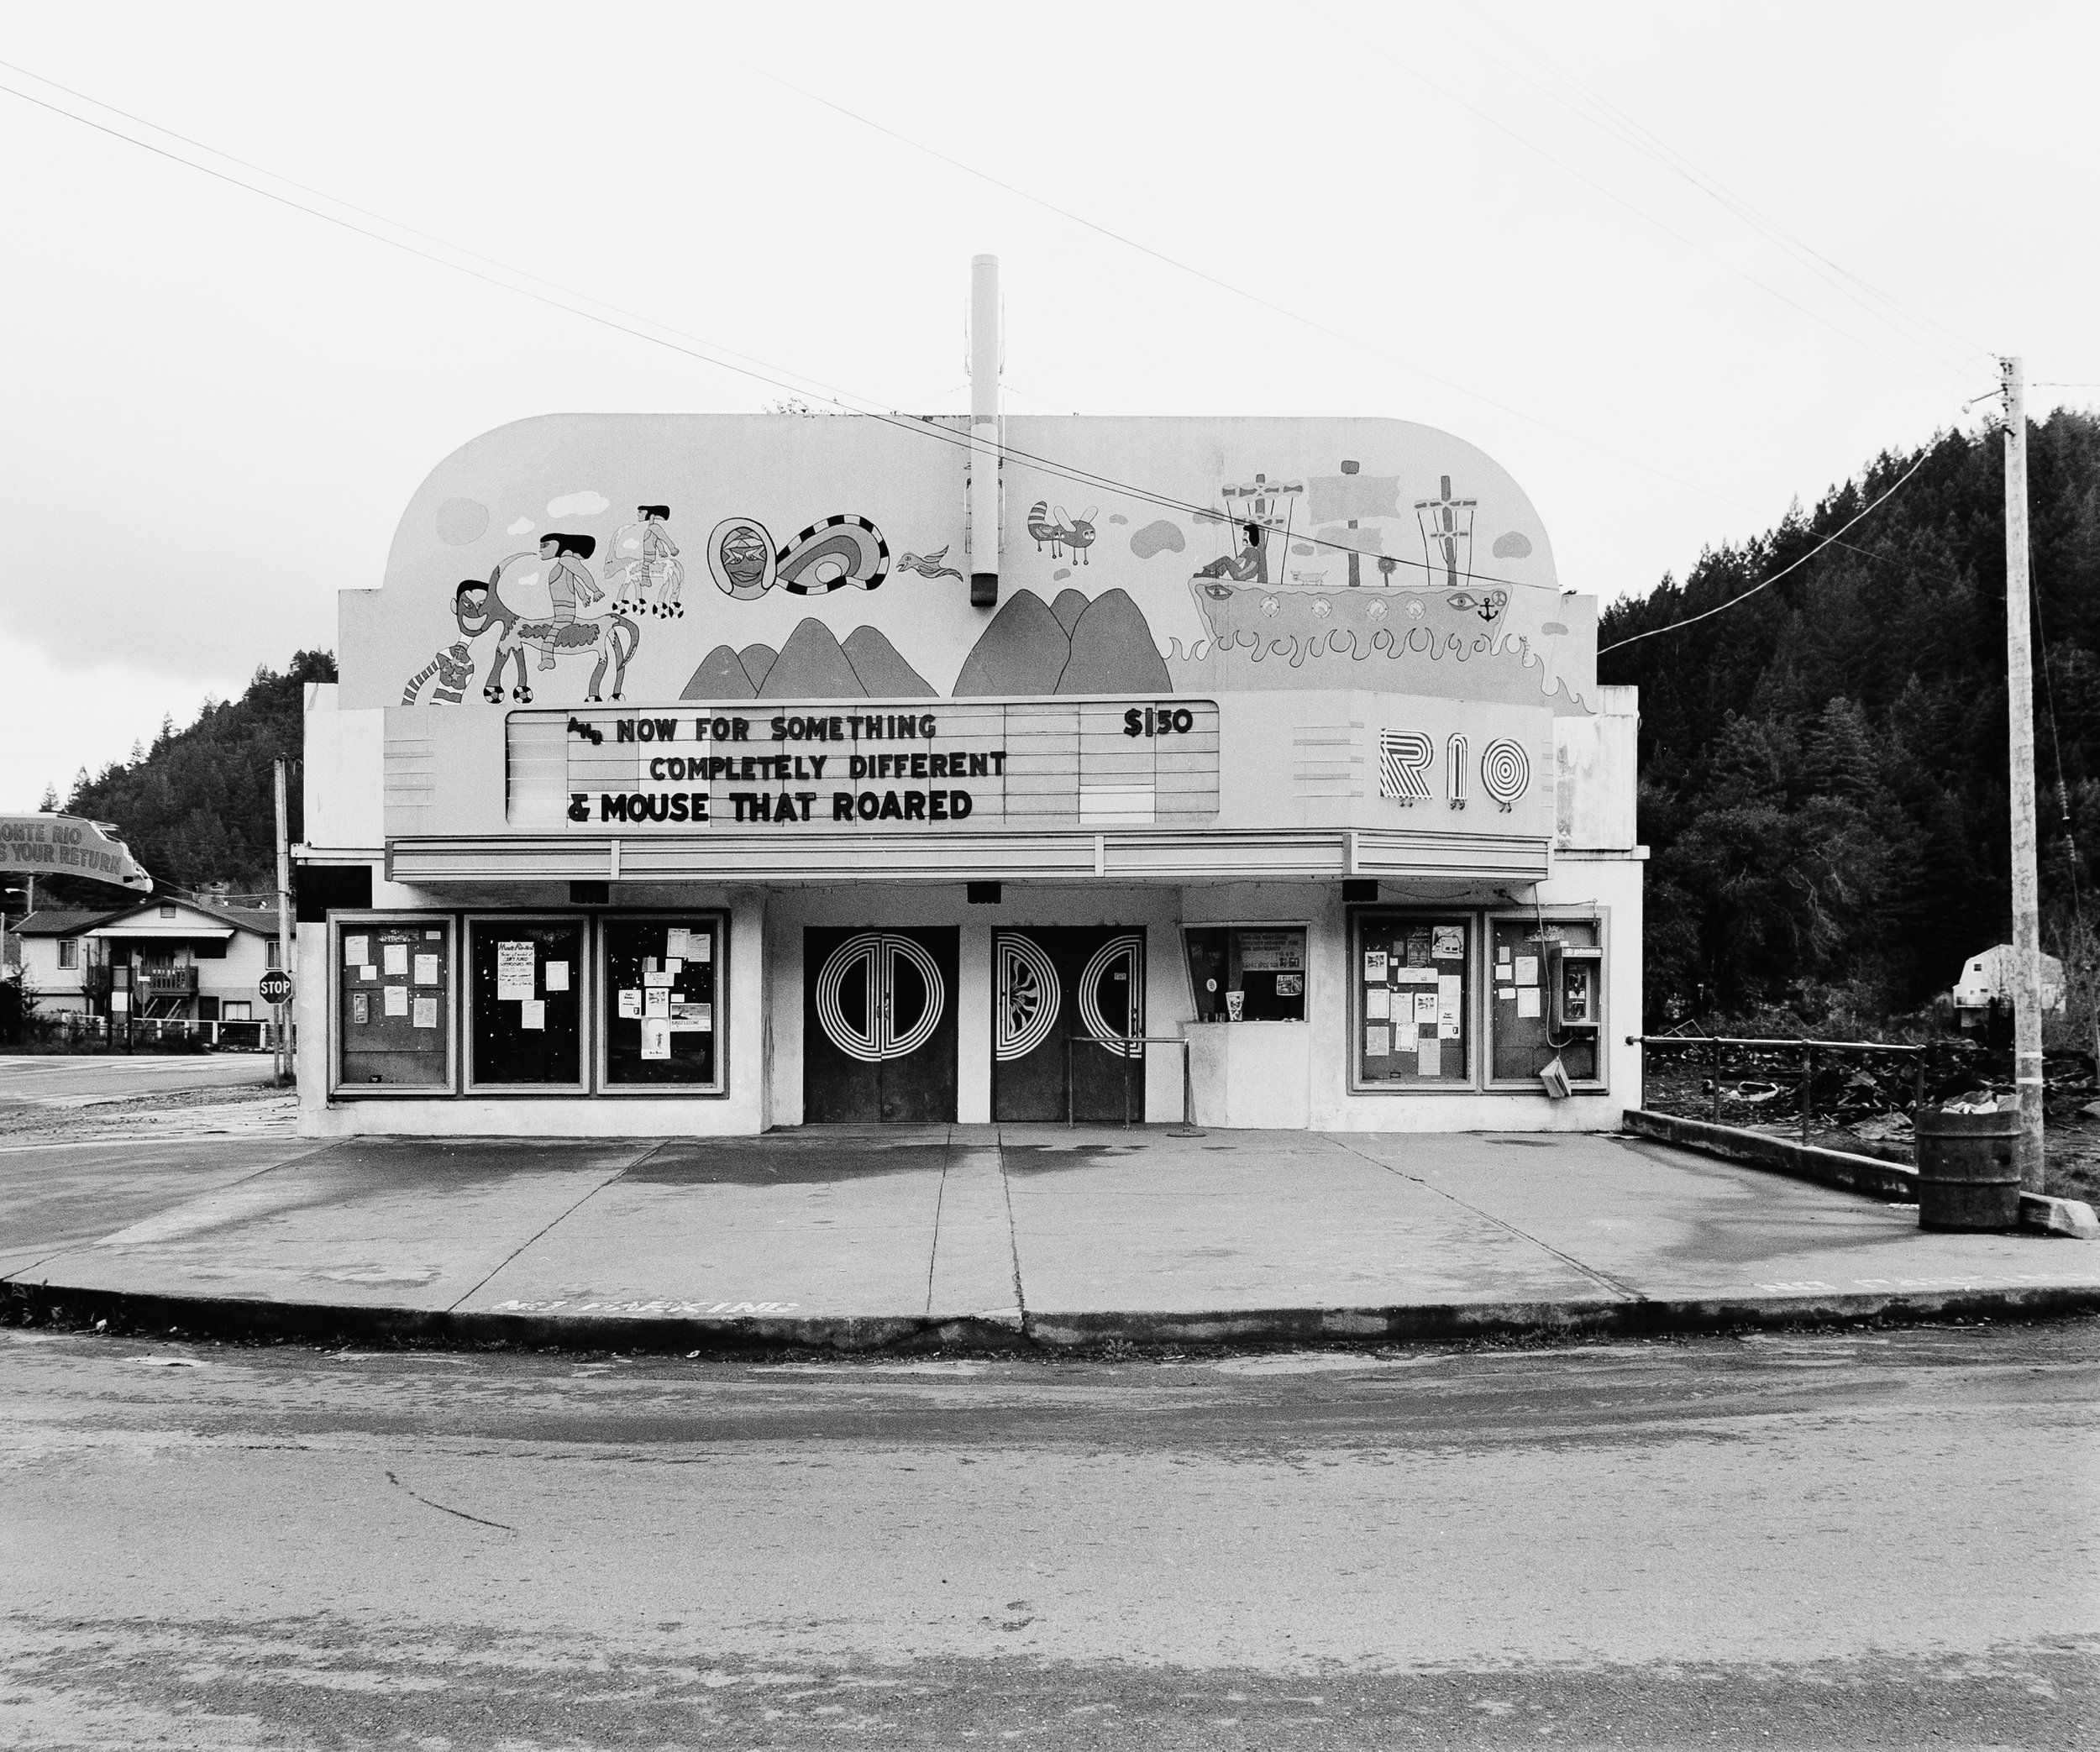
x=842, y=1238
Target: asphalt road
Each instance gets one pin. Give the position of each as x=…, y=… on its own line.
x=56, y=1080
x=1849, y=1540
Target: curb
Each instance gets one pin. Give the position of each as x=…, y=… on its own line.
x=1041, y=1334
x=1838, y=1168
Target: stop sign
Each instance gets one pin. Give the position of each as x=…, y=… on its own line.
x=275, y=986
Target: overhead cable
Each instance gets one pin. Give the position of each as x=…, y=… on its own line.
x=1631, y=131
x=1586, y=441
x=1661, y=225
x=707, y=352
x=1793, y=566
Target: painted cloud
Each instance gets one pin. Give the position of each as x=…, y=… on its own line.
x=1156, y=538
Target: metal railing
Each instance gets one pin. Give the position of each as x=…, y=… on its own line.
x=1142, y=1059
x=1717, y=1046
x=115, y=1033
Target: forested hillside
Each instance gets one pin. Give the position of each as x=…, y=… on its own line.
x=197, y=807
x=1824, y=766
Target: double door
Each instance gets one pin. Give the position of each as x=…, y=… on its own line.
x=1068, y=1022
x=879, y=1025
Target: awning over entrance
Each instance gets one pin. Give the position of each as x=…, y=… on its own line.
x=1312, y=855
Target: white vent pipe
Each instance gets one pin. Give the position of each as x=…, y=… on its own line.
x=982, y=538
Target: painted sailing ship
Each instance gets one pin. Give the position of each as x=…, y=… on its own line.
x=1257, y=597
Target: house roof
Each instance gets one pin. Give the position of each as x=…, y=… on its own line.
x=59, y=921
x=255, y=923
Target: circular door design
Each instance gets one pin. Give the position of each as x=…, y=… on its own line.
x=1028, y=997
x=898, y=997
x=1119, y=967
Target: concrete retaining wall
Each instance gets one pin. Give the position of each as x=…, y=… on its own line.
x=1896, y=1182
x=1804, y=1161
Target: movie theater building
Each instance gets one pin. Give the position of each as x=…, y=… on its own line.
x=706, y=774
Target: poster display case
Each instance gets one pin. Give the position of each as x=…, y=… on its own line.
x=393, y=983
x=526, y=980
x=660, y=989
x=1413, y=980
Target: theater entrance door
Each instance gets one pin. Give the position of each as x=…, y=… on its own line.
x=1067, y=1015
x=878, y=1026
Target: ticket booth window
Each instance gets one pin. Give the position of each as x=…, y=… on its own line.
x=1247, y=973
x=394, y=981
x=1414, y=979
x=660, y=995
x=525, y=1005
x=1545, y=998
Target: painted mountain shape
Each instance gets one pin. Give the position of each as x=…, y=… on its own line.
x=882, y=669
x=1027, y=649
x=1022, y=651
x=720, y=676
x=1113, y=651
x=812, y=665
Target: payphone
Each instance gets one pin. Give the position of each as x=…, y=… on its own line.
x=1574, y=987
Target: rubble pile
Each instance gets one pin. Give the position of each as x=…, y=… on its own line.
x=1865, y=1097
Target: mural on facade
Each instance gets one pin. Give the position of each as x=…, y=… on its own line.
x=929, y=566
x=1070, y=646
x=740, y=555
x=1064, y=532
x=1259, y=554
x=813, y=664
x=643, y=567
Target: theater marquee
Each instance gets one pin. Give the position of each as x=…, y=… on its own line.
x=694, y=768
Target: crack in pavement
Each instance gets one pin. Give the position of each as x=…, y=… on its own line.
x=1604, y=1278
x=501, y=1526
x=656, y=1146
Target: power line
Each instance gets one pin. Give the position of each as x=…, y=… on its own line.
x=777, y=377
x=1586, y=442
x=337, y=200
x=1631, y=133
x=710, y=352
x=1662, y=226
x=1793, y=566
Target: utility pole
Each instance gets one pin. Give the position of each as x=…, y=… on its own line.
x=2020, y=677
x=284, y=923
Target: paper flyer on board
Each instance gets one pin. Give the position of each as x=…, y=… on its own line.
x=515, y=968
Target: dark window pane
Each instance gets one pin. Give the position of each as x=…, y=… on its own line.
x=1247, y=973
x=1207, y=972
x=526, y=1002
x=661, y=1003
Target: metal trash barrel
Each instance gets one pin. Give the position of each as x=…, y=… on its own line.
x=1966, y=1176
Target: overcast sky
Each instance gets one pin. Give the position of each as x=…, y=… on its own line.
x=1525, y=224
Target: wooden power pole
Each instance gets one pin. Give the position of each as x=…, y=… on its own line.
x=2020, y=677
x=286, y=1062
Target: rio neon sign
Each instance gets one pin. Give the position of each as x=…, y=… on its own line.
x=1406, y=757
